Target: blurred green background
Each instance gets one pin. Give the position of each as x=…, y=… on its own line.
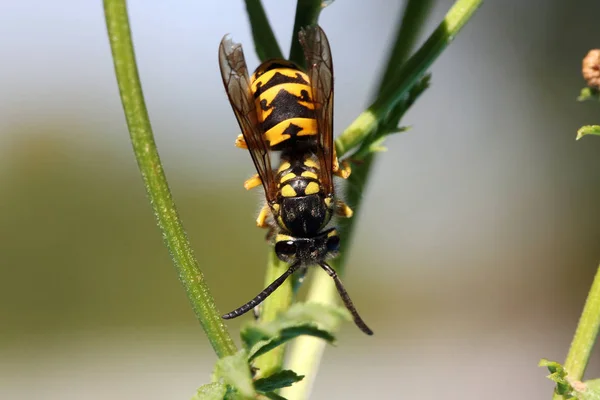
x=473, y=254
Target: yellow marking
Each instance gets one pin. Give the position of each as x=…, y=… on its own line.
x=288, y=177
x=343, y=210
x=282, y=238
x=280, y=221
x=261, y=114
x=332, y=233
x=312, y=188
x=275, y=208
x=294, y=89
x=309, y=162
x=284, y=166
x=241, y=142
x=267, y=76
x=288, y=191
x=261, y=220
x=308, y=174
x=275, y=134
x=252, y=182
x=328, y=202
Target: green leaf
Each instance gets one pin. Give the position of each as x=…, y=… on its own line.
x=277, y=381
x=311, y=319
x=588, y=93
x=211, y=391
x=235, y=371
x=558, y=375
x=588, y=130
x=274, y=396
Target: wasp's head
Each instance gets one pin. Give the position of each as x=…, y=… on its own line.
x=307, y=251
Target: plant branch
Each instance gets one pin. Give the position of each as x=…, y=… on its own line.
x=408, y=73
x=585, y=336
x=155, y=181
x=307, y=13
x=265, y=43
x=280, y=300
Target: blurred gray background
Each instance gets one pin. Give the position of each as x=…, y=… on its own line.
x=473, y=255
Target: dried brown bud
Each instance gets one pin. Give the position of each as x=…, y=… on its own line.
x=591, y=68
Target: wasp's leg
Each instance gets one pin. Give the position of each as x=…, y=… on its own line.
x=342, y=209
x=252, y=182
x=241, y=142
x=263, y=215
x=341, y=168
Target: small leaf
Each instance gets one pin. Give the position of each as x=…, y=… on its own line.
x=277, y=381
x=588, y=130
x=211, y=391
x=234, y=370
x=312, y=319
x=558, y=375
x=589, y=93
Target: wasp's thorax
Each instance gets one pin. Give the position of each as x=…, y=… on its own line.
x=301, y=208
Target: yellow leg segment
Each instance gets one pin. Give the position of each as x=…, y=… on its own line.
x=340, y=168
x=241, y=142
x=263, y=215
x=342, y=209
x=252, y=182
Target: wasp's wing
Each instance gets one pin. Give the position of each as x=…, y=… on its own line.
x=319, y=67
x=237, y=84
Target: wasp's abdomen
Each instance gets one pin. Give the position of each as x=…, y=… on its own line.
x=284, y=102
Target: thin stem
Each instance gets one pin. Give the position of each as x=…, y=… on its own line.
x=265, y=42
x=395, y=91
x=278, y=301
x=585, y=335
x=307, y=13
x=413, y=19
x=306, y=352
x=155, y=181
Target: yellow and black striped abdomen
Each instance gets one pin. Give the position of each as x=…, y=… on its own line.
x=284, y=102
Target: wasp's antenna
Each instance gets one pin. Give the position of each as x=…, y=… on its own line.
x=346, y=298
x=264, y=294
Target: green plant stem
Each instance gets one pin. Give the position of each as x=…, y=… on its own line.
x=280, y=300
x=155, y=181
x=585, y=335
x=305, y=352
x=265, y=42
x=395, y=91
x=307, y=13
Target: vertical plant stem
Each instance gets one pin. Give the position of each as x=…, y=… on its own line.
x=265, y=42
x=155, y=181
x=305, y=352
x=307, y=13
x=280, y=300
x=585, y=335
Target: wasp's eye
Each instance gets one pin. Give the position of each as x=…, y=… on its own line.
x=333, y=243
x=286, y=248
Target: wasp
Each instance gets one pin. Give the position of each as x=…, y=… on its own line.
x=289, y=111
